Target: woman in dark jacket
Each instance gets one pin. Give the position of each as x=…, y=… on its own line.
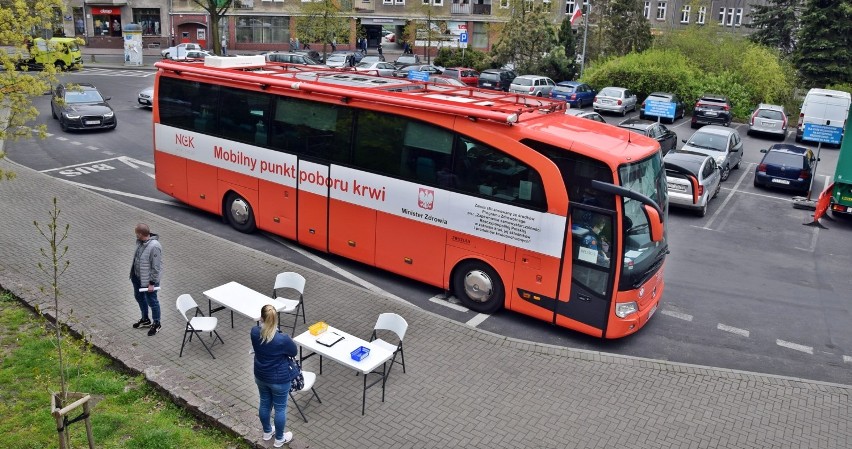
x=273, y=371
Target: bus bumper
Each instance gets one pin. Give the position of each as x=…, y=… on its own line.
x=647, y=298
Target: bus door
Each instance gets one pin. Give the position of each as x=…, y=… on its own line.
x=312, y=205
x=590, y=246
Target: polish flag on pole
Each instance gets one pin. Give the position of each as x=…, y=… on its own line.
x=577, y=13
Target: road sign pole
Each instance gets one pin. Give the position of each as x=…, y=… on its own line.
x=813, y=172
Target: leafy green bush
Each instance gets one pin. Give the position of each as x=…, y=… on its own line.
x=651, y=71
x=452, y=57
x=845, y=87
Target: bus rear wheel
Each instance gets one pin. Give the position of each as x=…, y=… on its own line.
x=478, y=287
x=239, y=213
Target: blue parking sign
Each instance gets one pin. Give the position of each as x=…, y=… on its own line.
x=662, y=109
x=822, y=133
x=463, y=37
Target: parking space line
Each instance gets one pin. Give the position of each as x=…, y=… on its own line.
x=718, y=211
x=814, y=234
x=477, y=320
x=733, y=330
x=678, y=315
x=762, y=195
x=92, y=148
x=847, y=359
x=447, y=302
x=77, y=165
x=795, y=346
x=74, y=142
x=62, y=138
x=130, y=195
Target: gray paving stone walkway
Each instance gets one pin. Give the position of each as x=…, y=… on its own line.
x=463, y=388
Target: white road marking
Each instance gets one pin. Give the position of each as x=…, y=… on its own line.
x=77, y=165
x=477, y=320
x=721, y=208
x=62, y=138
x=108, y=153
x=446, y=302
x=788, y=199
x=369, y=286
x=795, y=346
x=74, y=142
x=92, y=148
x=847, y=359
x=814, y=235
x=129, y=160
x=678, y=315
x=129, y=195
x=733, y=330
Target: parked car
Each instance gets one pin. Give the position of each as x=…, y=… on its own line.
x=585, y=114
x=540, y=86
x=146, y=96
x=724, y=144
x=292, y=58
x=576, y=94
x=712, y=109
x=463, y=74
x=179, y=50
x=664, y=97
x=446, y=81
x=768, y=119
x=822, y=106
x=402, y=72
x=654, y=130
x=692, y=180
x=373, y=58
x=81, y=106
x=785, y=166
x=615, y=99
x=194, y=55
x=344, y=59
x=404, y=60
x=382, y=68
x=388, y=36
x=496, y=79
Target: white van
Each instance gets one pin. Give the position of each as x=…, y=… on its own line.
x=824, y=107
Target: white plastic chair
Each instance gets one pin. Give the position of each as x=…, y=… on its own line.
x=310, y=378
x=396, y=324
x=196, y=324
x=293, y=281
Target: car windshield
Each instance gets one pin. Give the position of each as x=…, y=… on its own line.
x=784, y=158
x=406, y=60
x=770, y=114
x=707, y=141
x=337, y=58
x=659, y=98
x=566, y=89
x=611, y=93
x=86, y=96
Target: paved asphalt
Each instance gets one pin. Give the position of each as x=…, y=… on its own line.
x=464, y=387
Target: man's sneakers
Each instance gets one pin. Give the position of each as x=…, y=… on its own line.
x=155, y=327
x=144, y=322
x=288, y=437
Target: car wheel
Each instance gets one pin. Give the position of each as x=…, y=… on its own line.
x=53, y=113
x=641, y=116
x=703, y=211
x=798, y=139
x=728, y=123
x=736, y=167
x=693, y=125
x=60, y=66
x=478, y=287
x=63, y=125
x=725, y=173
x=748, y=133
x=682, y=114
x=624, y=112
x=718, y=189
x=239, y=213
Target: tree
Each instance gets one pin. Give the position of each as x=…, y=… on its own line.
x=566, y=40
x=624, y=28
x=216, y=10
x=425, y=28
x=322, y=22
x=20, y=23
x=775, y=24
x=527, y=38
x=824, y=52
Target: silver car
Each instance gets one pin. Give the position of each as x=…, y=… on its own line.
x=540, y=86
x=379, y=67
x=768, y=119
x=146, y=96
x=722, y=143
x=692, y=180
x=615, y=99
x=585, y=114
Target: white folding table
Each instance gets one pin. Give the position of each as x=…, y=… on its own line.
x=245, y=301
x=341, y=351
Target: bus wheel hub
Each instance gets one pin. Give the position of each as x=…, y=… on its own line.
x=478, y=286
x=239, y=211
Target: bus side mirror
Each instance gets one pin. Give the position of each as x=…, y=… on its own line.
x=654, y=222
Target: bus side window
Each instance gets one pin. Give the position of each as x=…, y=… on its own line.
x=312, y=129
x=378, y=142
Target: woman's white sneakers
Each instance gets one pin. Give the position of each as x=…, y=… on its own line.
x=268, y=436
x=288, y=437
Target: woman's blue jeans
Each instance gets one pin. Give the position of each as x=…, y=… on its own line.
x=273, y=395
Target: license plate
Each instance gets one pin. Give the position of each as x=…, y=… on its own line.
x=653, y=311
x=606, y=101
x=678, y=187
x=711, y=114
x=486, y=84
x=768, y=124
x=780, y=181
x=93, y=122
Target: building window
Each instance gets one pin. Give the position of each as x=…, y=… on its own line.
x=702, y=12
x=504, y=4
x=149, y=19
x=263, y=29
x=739, y=20
x=661, y=10
x=730, y=17
x=569, y=7
x=79, y=21
x=722, y=15
x=684, y=14
x=399, y=2
x=647, y=10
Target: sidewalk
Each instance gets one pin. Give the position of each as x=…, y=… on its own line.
x=464, y=387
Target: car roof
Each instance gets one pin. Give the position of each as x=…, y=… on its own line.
x=716, y=129
x=578, y=112
x=622, y=89
x=685, y=155
x=661, y=94
x=635, y=123
x=569, y=83
x=496, y=70
x=714, y=97
x=532, y=77
x=773, y=107
x=789, y=148
x=685, y=161
x=82, y=86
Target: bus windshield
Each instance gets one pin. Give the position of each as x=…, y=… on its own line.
x=642, y=256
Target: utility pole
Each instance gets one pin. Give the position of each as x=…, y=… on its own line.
x=586, y=16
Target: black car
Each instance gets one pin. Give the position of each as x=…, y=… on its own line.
x=785, y=166
x=664, y=97
x=654, y=130
x=496, y=79
x=712, y=109
x=404, y=60
x=81, y=106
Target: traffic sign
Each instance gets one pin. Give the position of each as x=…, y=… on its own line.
x=463, y=38
x=415, y=75
x=822, y=133
x=663, y=109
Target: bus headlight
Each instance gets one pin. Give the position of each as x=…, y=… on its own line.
x=622, y=309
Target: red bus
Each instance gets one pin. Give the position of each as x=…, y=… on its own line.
x=503, y=200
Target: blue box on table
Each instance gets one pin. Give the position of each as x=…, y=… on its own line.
x=360, y=353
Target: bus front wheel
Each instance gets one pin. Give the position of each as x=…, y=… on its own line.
x=239, y=213
x=478, y=287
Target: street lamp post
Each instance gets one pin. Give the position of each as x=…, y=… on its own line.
x=585, y=36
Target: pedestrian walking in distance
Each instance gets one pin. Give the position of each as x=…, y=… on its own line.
x=379, y=49
x=274, y=368
x=145, y=274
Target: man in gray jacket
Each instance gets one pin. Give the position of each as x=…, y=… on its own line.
x=145, y=276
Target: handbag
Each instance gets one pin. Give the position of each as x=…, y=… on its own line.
x=298, y=381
